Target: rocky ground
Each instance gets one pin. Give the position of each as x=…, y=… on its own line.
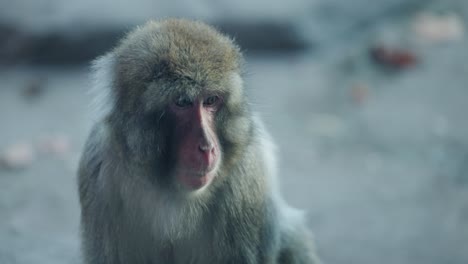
x=371, y=125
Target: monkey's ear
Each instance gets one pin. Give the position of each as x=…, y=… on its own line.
x=102, y=82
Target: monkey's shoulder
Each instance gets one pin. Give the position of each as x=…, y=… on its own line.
x=91, y=160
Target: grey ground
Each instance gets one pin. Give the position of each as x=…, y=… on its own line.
x=384, y=180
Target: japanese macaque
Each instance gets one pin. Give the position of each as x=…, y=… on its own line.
x=177, y=168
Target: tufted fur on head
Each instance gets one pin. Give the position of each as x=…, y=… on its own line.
x=172, y=54
x=177, y=52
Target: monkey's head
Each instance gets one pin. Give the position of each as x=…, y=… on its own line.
x=178, y=110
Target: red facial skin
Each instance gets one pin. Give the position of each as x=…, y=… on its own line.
x=198, y=152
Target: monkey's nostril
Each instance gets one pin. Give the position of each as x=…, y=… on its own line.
x=205, y=147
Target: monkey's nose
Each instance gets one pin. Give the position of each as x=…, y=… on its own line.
x=207, y=155
x=205, y=147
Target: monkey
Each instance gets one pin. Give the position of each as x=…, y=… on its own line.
x=177, y=168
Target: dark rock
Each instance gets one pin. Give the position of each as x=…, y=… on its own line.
x=55, y=47
x=265, y=36
x=59, y=47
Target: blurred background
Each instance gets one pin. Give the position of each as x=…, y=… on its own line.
x=367, y=100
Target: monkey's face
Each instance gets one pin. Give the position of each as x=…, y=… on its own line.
x=188, y=137
x=196, y=145
x=180, y=110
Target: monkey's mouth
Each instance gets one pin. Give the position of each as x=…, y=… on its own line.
x=194, y=180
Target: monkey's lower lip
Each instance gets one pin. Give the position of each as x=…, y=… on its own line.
x=194, y=181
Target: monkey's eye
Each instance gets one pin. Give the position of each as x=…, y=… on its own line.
x=212, y=100
x=183, y=101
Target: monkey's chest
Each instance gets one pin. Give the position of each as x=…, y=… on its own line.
x=194, y=250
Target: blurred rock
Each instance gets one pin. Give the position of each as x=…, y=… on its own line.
x=438, y=28
x=12, y=42
x=85, y=44
x=17, y=156
x=393, y=58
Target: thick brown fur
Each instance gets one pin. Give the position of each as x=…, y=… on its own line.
x=131, y=210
